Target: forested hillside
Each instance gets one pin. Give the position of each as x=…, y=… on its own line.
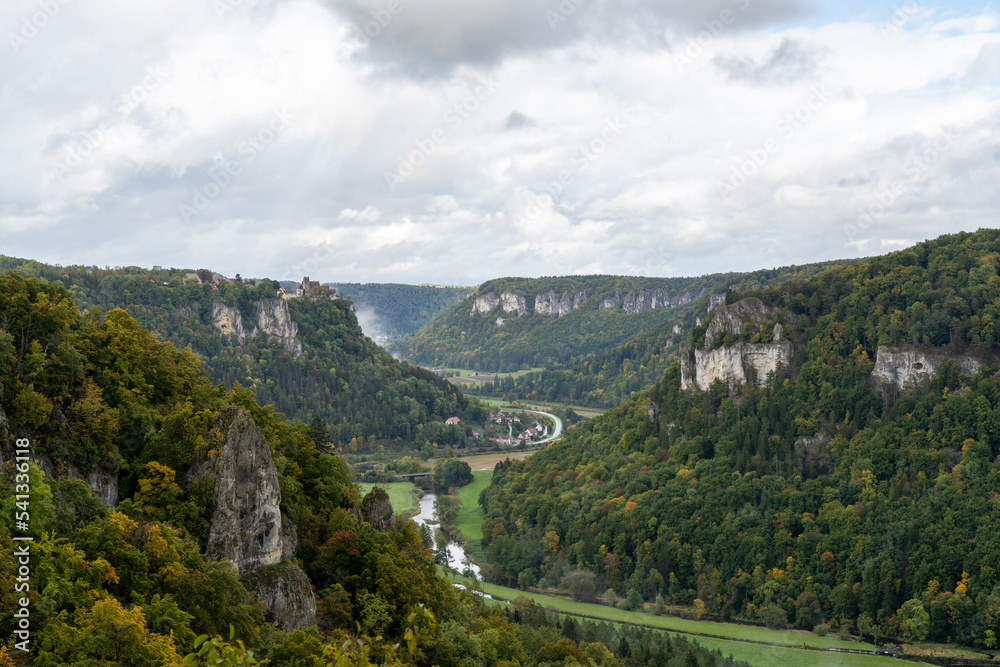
x=592, y=356
x=396, y=310
x=828, y=494
x=364, y=396
x=131, y=586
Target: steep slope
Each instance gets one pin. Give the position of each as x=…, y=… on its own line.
x=306, y=356
x=208, y=473
x=604, y=351
x=854, y=484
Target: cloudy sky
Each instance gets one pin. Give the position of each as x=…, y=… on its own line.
x=453, y=141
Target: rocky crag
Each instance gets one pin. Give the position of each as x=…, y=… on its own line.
x=905, y=367
x=246, y=526
x=271, y=316
x=741, y=362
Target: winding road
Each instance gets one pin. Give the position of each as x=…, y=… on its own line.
x=556, y=432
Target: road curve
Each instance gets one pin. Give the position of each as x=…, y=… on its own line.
x=556, y=432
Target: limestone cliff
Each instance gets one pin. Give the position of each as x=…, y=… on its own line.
x=272, y=317
x=650, y=299
x=286, y=594
x=736, y=364
x=611, y=301
x=741, y=362
x=228, y=322
x=275, y=320
x=485, y=303
x=907, y=366
x=509, y=302
x=245, y=528
x=647, y=299
x=553, y=304
x=513, y=303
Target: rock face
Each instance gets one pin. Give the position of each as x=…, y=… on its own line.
x=247, y=527
x=552, y=304
x=513, y=303
x=611, y=301
x=907, y=366
x=647, y=299
x=715, y=301
x=485, y=304
x=106, y=485
x=508, y=301
x=650, y=299
x=732, y=318
x=246, y=522
x=228, y=322
x=377, y=510
x=736, y=364
x=286, y=594
x=741, y=362
x=273, y=318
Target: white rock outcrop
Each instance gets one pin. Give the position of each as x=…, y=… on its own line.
x=274, y=319
x=513, y=303
x=485, y=303
x=611, y=301
x=553, y=304
x=740, y=363
x=245, y=527
x=228, y=322
x=272, y=316
x=736, y=364
x=907, y=366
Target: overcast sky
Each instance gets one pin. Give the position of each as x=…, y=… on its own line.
x=454, y=141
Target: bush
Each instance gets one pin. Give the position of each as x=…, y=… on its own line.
x=580, y=586
x=822, y=629
x=610, y=598
x=844, y=632
x=774, y=617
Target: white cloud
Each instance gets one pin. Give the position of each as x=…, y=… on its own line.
x=583, y=150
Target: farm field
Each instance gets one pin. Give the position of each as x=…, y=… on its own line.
x=488, y=461
x=759, y=655
x=470, y=517
x=402, y=495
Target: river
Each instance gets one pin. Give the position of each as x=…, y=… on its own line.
x=457, y=560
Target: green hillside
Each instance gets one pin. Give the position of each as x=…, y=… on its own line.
x=592, y=356
x=822, y=496
x=131, y=586
x=359, y=391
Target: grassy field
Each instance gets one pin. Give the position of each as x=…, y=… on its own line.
x=402, y=495
x=756, y=654
x=488, y=461
x=470, y=517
